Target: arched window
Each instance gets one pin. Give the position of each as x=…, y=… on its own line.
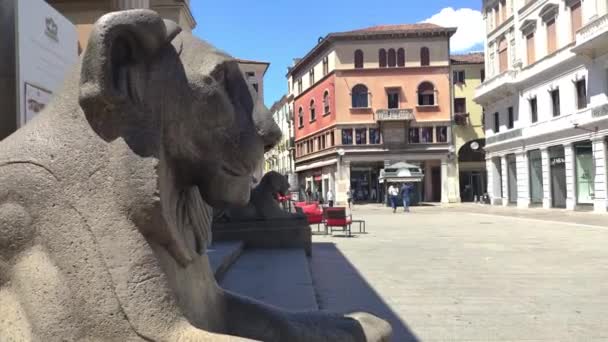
x=426, y=94
x=326, y=102
x=382, y=58
x=401, y=57
x=313, y=114
x=358, y=59
x=300, y=117
x=392, y=59
x=359, y=96
x=424, y=56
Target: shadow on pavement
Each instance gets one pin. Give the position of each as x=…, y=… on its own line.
x=341, y=288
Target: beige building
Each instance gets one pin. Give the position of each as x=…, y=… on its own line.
x=254, y=74
x=83, y=13
x=468, y=71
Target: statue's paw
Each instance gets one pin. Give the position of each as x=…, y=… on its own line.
x=186, y=332
x=375, y=329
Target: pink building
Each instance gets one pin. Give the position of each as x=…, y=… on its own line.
x=368, y=98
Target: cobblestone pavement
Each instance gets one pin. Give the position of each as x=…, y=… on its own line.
x=471, y=273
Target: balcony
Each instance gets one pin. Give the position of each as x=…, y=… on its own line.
x=592, y=39
x=496, y=88
x=461, y=119
x=395, y=114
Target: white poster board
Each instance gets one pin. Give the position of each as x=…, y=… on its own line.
x=47, y=48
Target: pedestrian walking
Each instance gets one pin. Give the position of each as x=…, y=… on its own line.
x=330, y=198
x=308, y=195
x=406, y=190
x=349, y=197
x=392, y=195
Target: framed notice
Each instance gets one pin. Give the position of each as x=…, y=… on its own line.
x=35, y=100
x=47, y=49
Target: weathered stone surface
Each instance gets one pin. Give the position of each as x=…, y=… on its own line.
x=277, y=233
x=104, y=203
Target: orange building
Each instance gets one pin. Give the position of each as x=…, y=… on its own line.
x=368, y=98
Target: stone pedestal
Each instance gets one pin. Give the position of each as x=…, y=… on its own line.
x=276, y=233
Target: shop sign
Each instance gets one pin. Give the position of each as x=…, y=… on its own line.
x=558, y=161
x=516, y=133
x=600, y=111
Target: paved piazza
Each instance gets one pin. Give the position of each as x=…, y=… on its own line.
x=471, y=273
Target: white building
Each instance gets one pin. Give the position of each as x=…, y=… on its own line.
x=280, y=158
x=546, y=109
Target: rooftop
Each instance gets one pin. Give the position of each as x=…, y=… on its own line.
x=397, y=28
x=468, y=58
x=399, y=31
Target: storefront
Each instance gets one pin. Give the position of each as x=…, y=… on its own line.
x=557, y=164
x=583, y=156
x=364, y=183
x=536, y=176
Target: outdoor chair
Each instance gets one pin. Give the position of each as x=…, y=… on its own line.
x=336, y=217
x=314, y=214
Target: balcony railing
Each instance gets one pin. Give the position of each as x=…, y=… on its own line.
x=587, y=34
x=395, y=114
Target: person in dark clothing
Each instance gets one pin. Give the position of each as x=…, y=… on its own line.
x=405, y=192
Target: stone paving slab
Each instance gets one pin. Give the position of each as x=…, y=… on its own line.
x=451, y=274
x=280, y=277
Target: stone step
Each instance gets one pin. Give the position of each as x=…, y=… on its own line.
x=222, y=255
x=280, y=277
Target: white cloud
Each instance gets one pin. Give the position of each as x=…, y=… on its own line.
x=469, y=23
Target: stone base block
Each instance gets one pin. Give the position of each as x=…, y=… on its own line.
x=277, y=233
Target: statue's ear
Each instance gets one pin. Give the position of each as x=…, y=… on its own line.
x=119, y=42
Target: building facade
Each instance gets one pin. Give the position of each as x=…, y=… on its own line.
x=468, y=71
x=368, y=98
x=281, y=157
x=545, y=103
x=84, y=13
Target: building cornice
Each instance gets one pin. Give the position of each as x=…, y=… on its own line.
x=329, y=39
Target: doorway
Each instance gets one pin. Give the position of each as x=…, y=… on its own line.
x=472, y=185
x=557, y=163
x=436, y=184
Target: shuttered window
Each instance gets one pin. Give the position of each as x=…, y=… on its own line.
x=551, y=37
x=530, y=48
x=576, y=18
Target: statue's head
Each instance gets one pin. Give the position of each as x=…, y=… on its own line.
x=141, y=77
x=275, y=182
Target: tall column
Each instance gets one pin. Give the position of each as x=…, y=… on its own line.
x=546, y=164
x=490, y=169
x=343, y=180
x=444, y=181
x=523, y=180
x=504, y=180
x=570, y=176
x=600, y=187
x=130, y=4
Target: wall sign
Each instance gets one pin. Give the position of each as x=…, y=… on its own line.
x=47, y=48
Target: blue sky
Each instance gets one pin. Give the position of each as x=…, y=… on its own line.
x=277, y=31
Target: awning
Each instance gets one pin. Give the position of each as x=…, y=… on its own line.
x=316, y=165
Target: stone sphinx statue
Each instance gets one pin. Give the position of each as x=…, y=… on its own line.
x=105, y=199
x=263, y=203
